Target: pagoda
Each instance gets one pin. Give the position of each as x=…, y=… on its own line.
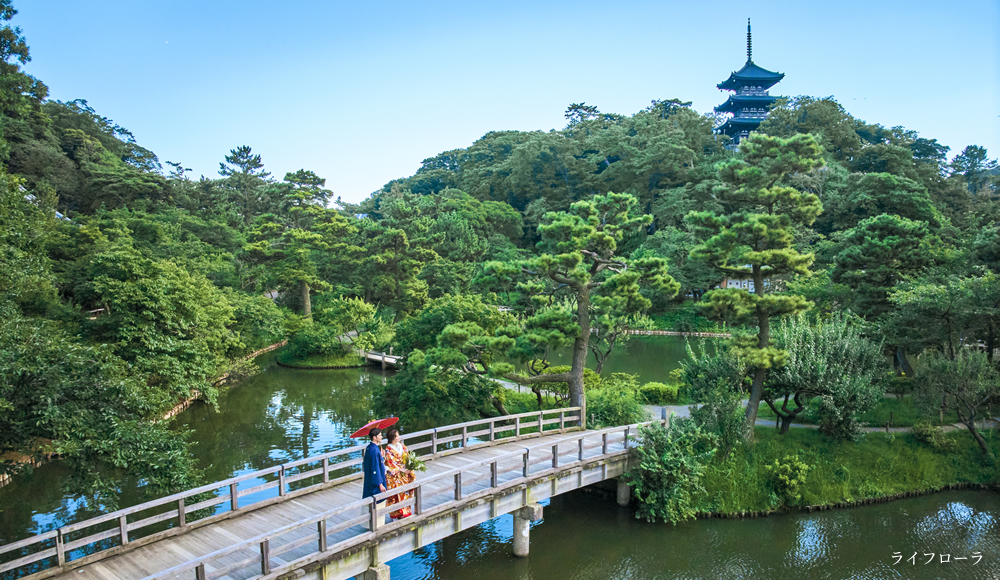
x=750, y=100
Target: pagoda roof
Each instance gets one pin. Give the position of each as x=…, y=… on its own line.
x=737, y=102
x=751, y=75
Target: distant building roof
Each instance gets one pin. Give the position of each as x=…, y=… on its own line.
x=751, y=75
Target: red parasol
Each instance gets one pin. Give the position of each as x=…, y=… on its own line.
x=380, y=423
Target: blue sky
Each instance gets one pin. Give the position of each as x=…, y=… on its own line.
x=362, y=92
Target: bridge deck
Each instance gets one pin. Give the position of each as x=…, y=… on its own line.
x=167, y=553
x=476, y=471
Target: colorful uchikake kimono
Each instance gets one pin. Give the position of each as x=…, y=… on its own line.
x=396, y=473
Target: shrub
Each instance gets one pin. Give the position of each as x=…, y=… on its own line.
x=658, y=393
x=667, y=476
x=788, y=477
x=933, y=436
x=314, y=339
x=617, y=402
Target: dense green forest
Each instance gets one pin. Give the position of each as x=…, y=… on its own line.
x=126, y=285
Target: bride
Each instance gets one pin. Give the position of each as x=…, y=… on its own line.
x=397, y=473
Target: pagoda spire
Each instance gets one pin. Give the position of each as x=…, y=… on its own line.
x=750, y=102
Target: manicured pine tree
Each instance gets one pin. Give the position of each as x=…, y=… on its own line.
x=753, y=240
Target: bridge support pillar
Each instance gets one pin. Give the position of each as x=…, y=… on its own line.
x=624, y=493
x=522, y=525
x=380, y=572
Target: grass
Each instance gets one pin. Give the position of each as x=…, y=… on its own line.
x=903, y=411
x=324, y=360
x=526, y=402
x=877, y=465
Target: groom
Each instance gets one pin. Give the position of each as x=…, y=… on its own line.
x=374, y=467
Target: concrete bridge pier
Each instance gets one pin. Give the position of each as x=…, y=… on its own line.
x=522, y=525
x=379, y=572
x=624, y=493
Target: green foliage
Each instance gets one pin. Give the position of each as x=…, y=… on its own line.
x=877, y=465
x=833, y=361
x=617, y=401
x=659, y=393
x=685, y=317
x=671, y=463
x=966, y=384
x=788, y=476
x=578, y=253
x=933, y=436
x=878, y=253
x=91, y=404
x=423, y=396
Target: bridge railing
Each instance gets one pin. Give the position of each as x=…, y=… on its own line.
x=108, y=534
x=431, y=497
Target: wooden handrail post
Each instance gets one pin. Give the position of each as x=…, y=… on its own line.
x=465, y=434
x=625, y=441
x=604, y=443
x=372, y=509
x=562, y=421
x=555, y=455
x=234, y=499
x=434, y=442
x=321, y=530
x=123, y=527
x=527, y=459
x=541, y=426
x=60, y=548
x=418, y=499
x=458, y=485
x=580, y=454
x=181, y=514
x=492, y=429
x=326, y=470
x=517, y=428
x=199, y=572
x=281, y=481
x=265, y=557
x=494, y=479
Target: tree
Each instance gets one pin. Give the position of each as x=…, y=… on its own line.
x=974, y=164
x=965, y=384
x=246, y=178
x=96, y=410
x=880, y=252
x=578, y=259
x=831, y=360
x=755, y=241
x=289, y=242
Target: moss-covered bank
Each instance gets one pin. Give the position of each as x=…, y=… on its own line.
x=322, y=361
x=842, y=473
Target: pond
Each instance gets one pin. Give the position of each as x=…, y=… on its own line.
x=284, y=414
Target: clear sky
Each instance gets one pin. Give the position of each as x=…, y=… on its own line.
x=361, y=92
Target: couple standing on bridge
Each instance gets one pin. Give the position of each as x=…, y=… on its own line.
x=382, y=475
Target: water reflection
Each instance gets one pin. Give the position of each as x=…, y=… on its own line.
x=586, y=537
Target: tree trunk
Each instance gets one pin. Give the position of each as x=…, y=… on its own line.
x=307, y=309
x=971, y=426
x=786, y=422
x=498, y=404
x=577, y=397
x=538, y=396
x=763, y=341
x=903, y=362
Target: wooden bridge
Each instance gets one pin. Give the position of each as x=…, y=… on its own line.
x=387, y=360
x=305, y=519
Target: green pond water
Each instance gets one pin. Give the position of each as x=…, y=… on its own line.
x=284, y=414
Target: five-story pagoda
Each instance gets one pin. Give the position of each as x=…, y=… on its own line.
x=750, y=101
